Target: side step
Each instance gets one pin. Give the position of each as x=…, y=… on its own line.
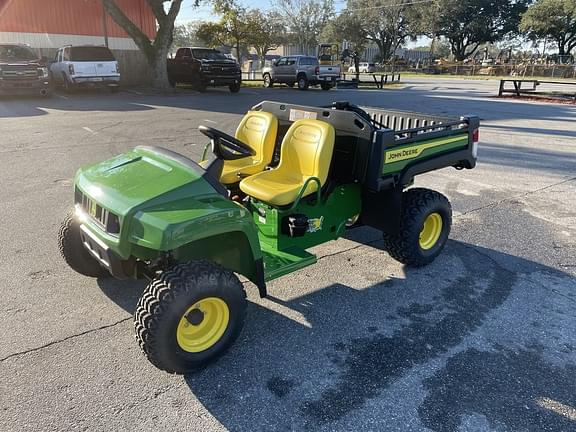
x=282, y=262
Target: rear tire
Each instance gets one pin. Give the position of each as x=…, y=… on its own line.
x=325, y=86
x=74, y=252
x=201, y=291
x=268, y=83
x=425, y=226
x=303, y=83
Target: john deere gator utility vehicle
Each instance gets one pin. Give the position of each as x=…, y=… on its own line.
x=293, y=177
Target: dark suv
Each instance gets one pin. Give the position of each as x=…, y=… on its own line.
x=204, y=67
x=23, y=71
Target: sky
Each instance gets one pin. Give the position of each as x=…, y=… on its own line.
x=204, y=12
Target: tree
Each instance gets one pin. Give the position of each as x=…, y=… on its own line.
x=467, y=24
x=386, y=23
x=552, y=19
x=155, y=51
x=185, y=35
x=346, y=28
x=305, y=20
x=265, y=32
x=231, y=31
x=213, y=34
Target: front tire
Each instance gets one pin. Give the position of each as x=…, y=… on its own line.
x=234, y=88
x=74, y=252
x=425, y=225
x=189, y=316
x=268, y=83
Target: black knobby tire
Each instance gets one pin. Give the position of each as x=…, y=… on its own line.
x=169, y=296
x=234, y=88
x=325, y=86
x=417, y=205
x=268, y=83
x=303, y=83
x=74, y=252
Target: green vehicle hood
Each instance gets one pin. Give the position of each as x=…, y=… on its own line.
x=140, y=176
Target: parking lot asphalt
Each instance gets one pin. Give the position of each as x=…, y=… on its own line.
x=483, y=339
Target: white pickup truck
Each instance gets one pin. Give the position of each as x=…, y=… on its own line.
x=86, y=65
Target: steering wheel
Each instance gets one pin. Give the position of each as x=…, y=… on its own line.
x=226, y=147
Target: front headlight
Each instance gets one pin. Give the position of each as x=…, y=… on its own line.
x=43, y=72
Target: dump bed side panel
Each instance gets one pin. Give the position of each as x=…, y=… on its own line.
x=399, y=157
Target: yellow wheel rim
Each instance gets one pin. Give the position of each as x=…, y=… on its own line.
x=431, y=231
x=203, y=324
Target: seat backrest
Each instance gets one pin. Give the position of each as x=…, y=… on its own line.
x=258, y=129
x=307, y=149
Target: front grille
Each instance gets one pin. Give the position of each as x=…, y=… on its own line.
x=19, y=74
x=106, y=219
x=221, y=69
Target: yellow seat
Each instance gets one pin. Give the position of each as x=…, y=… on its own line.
x=306, y=152
x=258, y=129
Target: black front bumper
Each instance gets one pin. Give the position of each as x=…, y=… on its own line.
x=102, y=253
x=221, y=80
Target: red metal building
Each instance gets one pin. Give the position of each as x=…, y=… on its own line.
x=49, y=24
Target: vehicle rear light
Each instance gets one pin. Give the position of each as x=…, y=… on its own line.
x=317, y=70
x=71, y=69
x=117, y=68
x=475, y=139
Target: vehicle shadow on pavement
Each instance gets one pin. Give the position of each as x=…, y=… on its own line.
x=125, y=293
x=489, y=344
x=533, y=159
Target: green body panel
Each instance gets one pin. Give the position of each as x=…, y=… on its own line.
x=327, y=221
x=397, y=158
x=330, y=217
x=166, y=206
x=279, y=263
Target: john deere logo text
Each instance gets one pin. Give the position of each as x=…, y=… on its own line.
x=399, y=155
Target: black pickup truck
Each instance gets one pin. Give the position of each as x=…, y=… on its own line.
x=23, y=71
x=204, y=67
